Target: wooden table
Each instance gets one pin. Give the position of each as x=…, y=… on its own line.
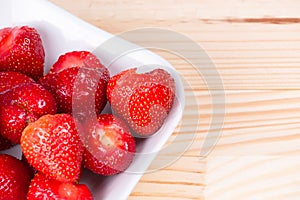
x=255, y=46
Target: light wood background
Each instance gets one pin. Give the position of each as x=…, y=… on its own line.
x=255, y=45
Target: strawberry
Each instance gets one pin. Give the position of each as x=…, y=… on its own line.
x=142, y=100
x=113, y=82
x=22, y=105
x=64, y=83
x=49, y=82
x=52, y=146
x=42, y=187
x=76, y=76
x=12, y=122
x=77, y=59
x=21, y=50
x=14, y=178
x=110, y=148
x=8, y=80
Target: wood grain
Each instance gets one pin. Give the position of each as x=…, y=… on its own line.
x=255, y=46
x=253, y=177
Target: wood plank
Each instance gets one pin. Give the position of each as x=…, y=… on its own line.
x=157, y=190
x=183, y=179
x=253, y=177
x=183, y=10
x=260, y=122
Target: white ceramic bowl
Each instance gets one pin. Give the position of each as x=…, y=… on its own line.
x=62, y=32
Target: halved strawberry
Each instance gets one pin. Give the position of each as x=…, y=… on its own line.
x=41, y=187
x=9, y=80
x=14, y=178
x=77, y=59
x=52, y=146
x=22, y=105
x=77, y=75
x=142, y=100
x=21, y=50
x=110, y=147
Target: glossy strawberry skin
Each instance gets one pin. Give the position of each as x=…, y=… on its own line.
x=13, y=121
x=113, y=81
x=83, y=72
x=33, y=97
x=42, y=187
x=21, y=105
x=21, y=50
x=9, y=80
x=52, y=146
x=142, y=100
x=61, y=85
x=14, y=178
x=110, y=148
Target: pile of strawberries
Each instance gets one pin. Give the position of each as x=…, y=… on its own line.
x=56, y=118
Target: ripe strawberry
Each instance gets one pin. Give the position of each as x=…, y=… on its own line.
x=49, y=82
x=22, y=105
x=12, y=122
x=110, y=147
x=63, y=84
x=21, y=50
x=78, y=59
x=14, y=178
x=113, y=82
x=142, y=100
x=41, y=187
x=8, y=80
x=77, y=75
x=52, y=146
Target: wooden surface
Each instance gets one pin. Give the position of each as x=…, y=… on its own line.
x=255, y=45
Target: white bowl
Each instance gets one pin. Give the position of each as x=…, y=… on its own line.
x=62, y=32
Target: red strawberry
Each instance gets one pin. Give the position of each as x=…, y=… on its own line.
x=21, y=50
x=113, y=82
x=142, y=100
x=12, y=122
x=22, y=105
x=49, y=82
x=63, y=84
x=14, y=178
x=52, y=146
x=112, y=145
x=5, y=143
x=77, y=59
x=83, y=72
x=8, y=80
x=42, y=187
